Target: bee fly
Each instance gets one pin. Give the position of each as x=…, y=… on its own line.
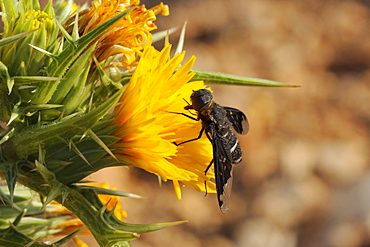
x=218, y=123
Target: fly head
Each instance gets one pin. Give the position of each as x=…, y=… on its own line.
x=201, y=99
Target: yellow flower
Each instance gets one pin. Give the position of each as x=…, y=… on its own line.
x=148, y=129
x=38, y=18
x=125, y=37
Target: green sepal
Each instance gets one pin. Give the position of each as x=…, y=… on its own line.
x=104, y=78
x=223, y=78
x=6, y=85
x=70, y=54
x=68, y=237
x=79, y=169
x=12, y=237
x=75, y=33
x=63, y=151
x=64, y=32
x=104, y=123
x=80, y=93
x=35, y=228
x=24, y=204
x=8, y=205
x=62, y=10
x=29, y=5
x=84, y=157
x=29, y=110
x=69, y=175
x=5, y=77
x=40, y=38
x=50, y=114
x=107, y=130
x=57, y=189
x=19, y=232
x=74, y=77
x=21, y=80
x=75, y=149
x=122, y=244
x=54, y=165
x=28, y=141
x=101, y=143
x=11, y=175
x=19, y=217
x=14, y=38
x=43, y=51
x=8, y=7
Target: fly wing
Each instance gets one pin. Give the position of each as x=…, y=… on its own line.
x=238, y=120
x=223, y=171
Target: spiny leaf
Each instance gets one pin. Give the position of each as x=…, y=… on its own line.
x=56, y=188
x=7, y=201
x=29, y=110
x=19, y=217
x=104, y=78
x=101, y=143
x=45, y=52
x=4, y=76
x=68, y=237
x=11, y=39
x=223, y=78
x=103, y=191
x=163, y=34
x=143, y=228
x=121, y=244
x=20, y=80
x=75, y=33
x=81, y=66
x=12, y=237
x=11, y=176
x=79, y=153
x=64, y=32
x=180, y=44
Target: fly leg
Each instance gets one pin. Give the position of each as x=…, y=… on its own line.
x=194, y=139
x=210, y=164
x=196, y=119
x=205, y=173
x=186, y=115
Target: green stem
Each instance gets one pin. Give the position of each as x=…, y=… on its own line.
x=74, y=201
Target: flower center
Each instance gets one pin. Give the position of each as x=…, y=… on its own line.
x=38, y=18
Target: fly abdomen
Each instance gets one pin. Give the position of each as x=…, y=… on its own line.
x=234, y=147
x=237, y=154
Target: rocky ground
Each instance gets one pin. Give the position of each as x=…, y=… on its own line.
x=305, y=178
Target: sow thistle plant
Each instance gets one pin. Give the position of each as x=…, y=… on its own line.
x=81, y=89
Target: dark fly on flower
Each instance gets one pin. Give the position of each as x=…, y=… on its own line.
x=218, y=123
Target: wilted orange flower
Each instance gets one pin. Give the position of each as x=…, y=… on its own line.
x=125, y=37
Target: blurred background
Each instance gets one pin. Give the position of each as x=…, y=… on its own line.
x=304, y=179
